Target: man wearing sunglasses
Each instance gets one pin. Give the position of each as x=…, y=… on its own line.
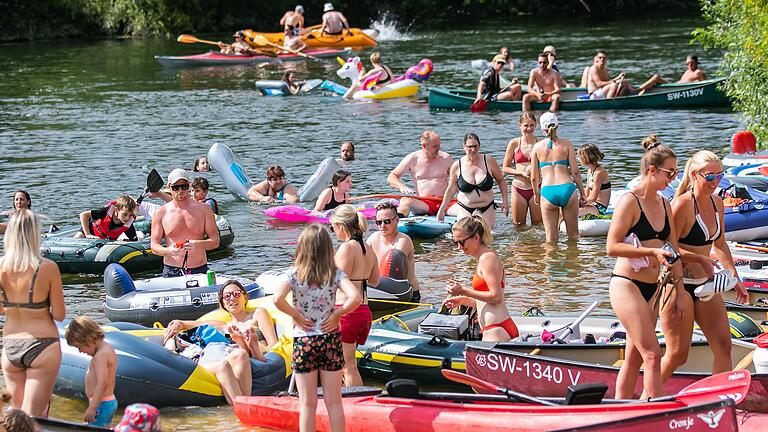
x=543, y=85
x=387, y=239
x=188, y=228
x=490, y=83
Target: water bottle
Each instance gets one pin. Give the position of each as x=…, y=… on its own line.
x=211, y=277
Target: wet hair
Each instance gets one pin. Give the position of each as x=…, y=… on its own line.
x=275, y=171
x=197, y=163
x=526, y=115
x=21, y=243
x=509, y=53
x=314, y=263
x=200, y=183
x=125, y=202
x=82, y=331
x=339, y=176
x=551, y=131
x=16, y=420
x=376, y=58
x=471, y=136
x=655, y=154
x=590, y=153
x=693, y=57
x=353, y=222
x=475, y=224
x=543, y=54
x=603, y=52
x=26, y=194
x=697, y=162
x=225, y=285
x=386, y=205
x=286, y=75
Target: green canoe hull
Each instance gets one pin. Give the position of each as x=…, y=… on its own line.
x=694, y=95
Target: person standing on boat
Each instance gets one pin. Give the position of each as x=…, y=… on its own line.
x=599, y=85
x=429, y=168
x=642, y=223
x=519, y=151
x=490, y=84
x=275, y=188
x=293, y=21
x=473, y=236
x=334, y=22
x=598, y=182
x=555, y=179
x=692, y=74
x=543, y=86
x=388, y=238
x=336, y=194
x=474, y=196
x=186, y=226
x=698, y=212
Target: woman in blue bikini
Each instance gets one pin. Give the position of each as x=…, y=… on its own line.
x=555, y=178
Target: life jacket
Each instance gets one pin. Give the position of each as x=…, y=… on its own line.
x=209, y=201
x=103, y=227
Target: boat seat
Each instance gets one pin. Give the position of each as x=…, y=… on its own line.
x=585, y=394
x=404, y=388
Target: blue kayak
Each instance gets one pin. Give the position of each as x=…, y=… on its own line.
x=425, y=227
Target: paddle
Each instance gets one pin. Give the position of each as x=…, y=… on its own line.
x=187, y=38
x=471, y=381
x=569, y=329
x=261, y=40
x=154, y=183
x=482, y=104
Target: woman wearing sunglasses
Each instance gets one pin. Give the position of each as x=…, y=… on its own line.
x=641, y=224
x=252, y=333
x=472, y=236
x=699, y=219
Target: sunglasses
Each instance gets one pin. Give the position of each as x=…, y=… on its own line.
x=386, y=221
x=183, y=186
x=500, y=63
x=712, y=176
x=233, y=294
x=670, y=173
x=462, y=241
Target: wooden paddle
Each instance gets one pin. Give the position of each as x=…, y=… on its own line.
x=187, y=38
x=261, y=40
x=482, y=104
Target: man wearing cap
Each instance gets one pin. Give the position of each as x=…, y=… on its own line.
x=489, y=85
x=293, y=21
x=599, y=85
x=549, y=50
x=334, y=22
x=188, y=228
x=543, y=86
x=238, y=47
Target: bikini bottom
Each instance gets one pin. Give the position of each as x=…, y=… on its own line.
x=601, y=208
x=508, y=325
x=690, y=285
x=647, y=289
x=481, y=210
x=527, y=194
x=558, y=195
x=22, y=352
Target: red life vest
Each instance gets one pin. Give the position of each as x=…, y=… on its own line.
x=103, y=229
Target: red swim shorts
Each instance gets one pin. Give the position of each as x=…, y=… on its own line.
x=355, y=325
x=433, y=205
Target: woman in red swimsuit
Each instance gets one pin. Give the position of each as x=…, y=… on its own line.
x=473, y=236
x=517, y=163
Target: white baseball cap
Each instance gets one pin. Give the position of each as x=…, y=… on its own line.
x=548, y=119
x=328, y=7
x=176, y=175
x=299, y=9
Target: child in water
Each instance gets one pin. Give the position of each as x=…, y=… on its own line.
x=85, y=334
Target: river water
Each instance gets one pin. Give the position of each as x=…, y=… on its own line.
x=84, y=121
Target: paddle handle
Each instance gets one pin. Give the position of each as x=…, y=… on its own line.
x=569, y=329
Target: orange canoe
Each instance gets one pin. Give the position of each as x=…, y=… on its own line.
x=313, y=39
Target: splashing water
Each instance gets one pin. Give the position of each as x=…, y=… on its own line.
x=386, y=25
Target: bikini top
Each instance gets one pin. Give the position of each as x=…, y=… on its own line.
x=520, y=157
x=332, y=204
x=363, y=282
x=699, y=234
x=604, y=186
x=643, y=228
x=467, y=187
x=479, y=284
x=30, y=304
x=565, y=162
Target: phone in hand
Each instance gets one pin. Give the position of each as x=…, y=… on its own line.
x=671, y=259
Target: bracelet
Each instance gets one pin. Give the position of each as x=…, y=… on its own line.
x=676, y=280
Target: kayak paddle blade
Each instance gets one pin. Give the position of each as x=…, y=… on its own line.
x=733, y=385
x=479, y=106
x=154, y=181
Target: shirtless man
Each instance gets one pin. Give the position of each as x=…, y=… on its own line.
x=599, y=85
x=429, y=169
x=334, y=22
x=347, y=151
x=188, y=228
x=293, y=21
x=490, y=85
x=543, y=86
x=388, y=238
x=692, y=74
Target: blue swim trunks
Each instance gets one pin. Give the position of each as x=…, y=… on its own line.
x=105, y=413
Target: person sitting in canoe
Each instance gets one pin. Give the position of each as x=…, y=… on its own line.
x=109, y=222
x=599, y=85
x=692, y=74
x=274, y=188
x=598, y=187
x=384, y=72
x=292, y=43
x=334, y=22
x=337, y=194
x=543, y=86
x=250, y=334
x=551, y=53
x=293, y=21
x=238, y=47
x=490, y=87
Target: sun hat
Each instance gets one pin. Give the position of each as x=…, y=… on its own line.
x=328, y=7
x=548, y=119
x=299, y=9
x=499, y=58
x=176, y=175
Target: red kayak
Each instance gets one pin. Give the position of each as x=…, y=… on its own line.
x=212, y=58
x=489, y=413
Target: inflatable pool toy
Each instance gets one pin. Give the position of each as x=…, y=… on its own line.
x=420, y=72
x=351, y=69
x=425, y=227
x=333, y=87
x=754, y=175
x=591, y=227
x=319, y=180
x=160, y=299
x=224, y=161
x=298, y=214
x=280, y=88
x=147, y=372
x=92, y=256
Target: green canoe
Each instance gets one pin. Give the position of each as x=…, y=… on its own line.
x=694, y=95
x=92, y=256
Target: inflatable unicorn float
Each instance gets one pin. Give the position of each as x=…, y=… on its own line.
x=402, y=86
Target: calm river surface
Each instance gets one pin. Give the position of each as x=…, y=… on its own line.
x=84, y=121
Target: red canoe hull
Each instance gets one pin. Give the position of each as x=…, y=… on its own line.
x=216, y=59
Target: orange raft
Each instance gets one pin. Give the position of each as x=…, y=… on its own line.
x=358, y=39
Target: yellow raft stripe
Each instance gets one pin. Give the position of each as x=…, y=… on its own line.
x=411, y=360
x=203, y=382
x=132, y=255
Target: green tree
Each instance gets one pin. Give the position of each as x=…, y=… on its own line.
x=740, y=27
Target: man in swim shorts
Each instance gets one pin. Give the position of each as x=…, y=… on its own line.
x=429, y=168
x=293, y=21
x=543, y=86
x=599, y=85
x=188, y=227
x=490, y=83
x=334, y=22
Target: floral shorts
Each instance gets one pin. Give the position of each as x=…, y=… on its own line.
x=322, y=352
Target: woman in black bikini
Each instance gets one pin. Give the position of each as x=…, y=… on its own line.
x=476, y=194
x=337, y=194
x=641, y=223
x=519, y=151
x=698, y=212
x=31, y=350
